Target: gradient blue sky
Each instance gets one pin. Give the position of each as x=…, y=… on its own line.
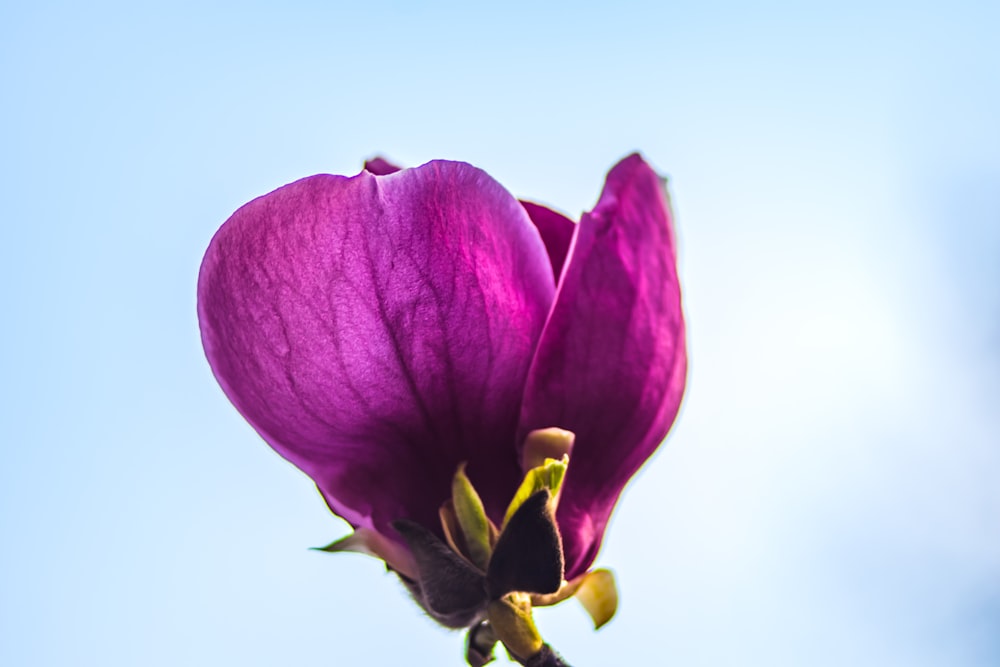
x=829, y=495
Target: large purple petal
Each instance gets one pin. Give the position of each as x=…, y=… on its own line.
x=611, y=363
x=377, y=331
x=556, y=230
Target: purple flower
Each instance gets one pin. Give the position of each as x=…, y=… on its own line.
x=379, y=331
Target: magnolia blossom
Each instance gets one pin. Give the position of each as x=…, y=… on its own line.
x=386, y=330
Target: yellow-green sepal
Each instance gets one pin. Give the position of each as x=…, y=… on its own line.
x=510, y=618
x=472, y=519
x=372, y=543
x=599, y=596
x=549, y=476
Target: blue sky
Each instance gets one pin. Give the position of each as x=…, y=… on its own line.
x=829, y=494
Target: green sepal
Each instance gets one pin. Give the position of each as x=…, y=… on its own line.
x=546, y=476
x=472, y=519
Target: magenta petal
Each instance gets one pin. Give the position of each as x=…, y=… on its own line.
x=377, y=331
x=380, y=166
x=556, y=230
x=611, y=363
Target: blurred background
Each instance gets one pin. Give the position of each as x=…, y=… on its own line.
x=829, y=495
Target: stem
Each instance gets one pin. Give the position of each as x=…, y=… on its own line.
x=545, y=658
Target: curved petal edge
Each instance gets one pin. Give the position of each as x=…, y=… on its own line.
x=611, y=363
